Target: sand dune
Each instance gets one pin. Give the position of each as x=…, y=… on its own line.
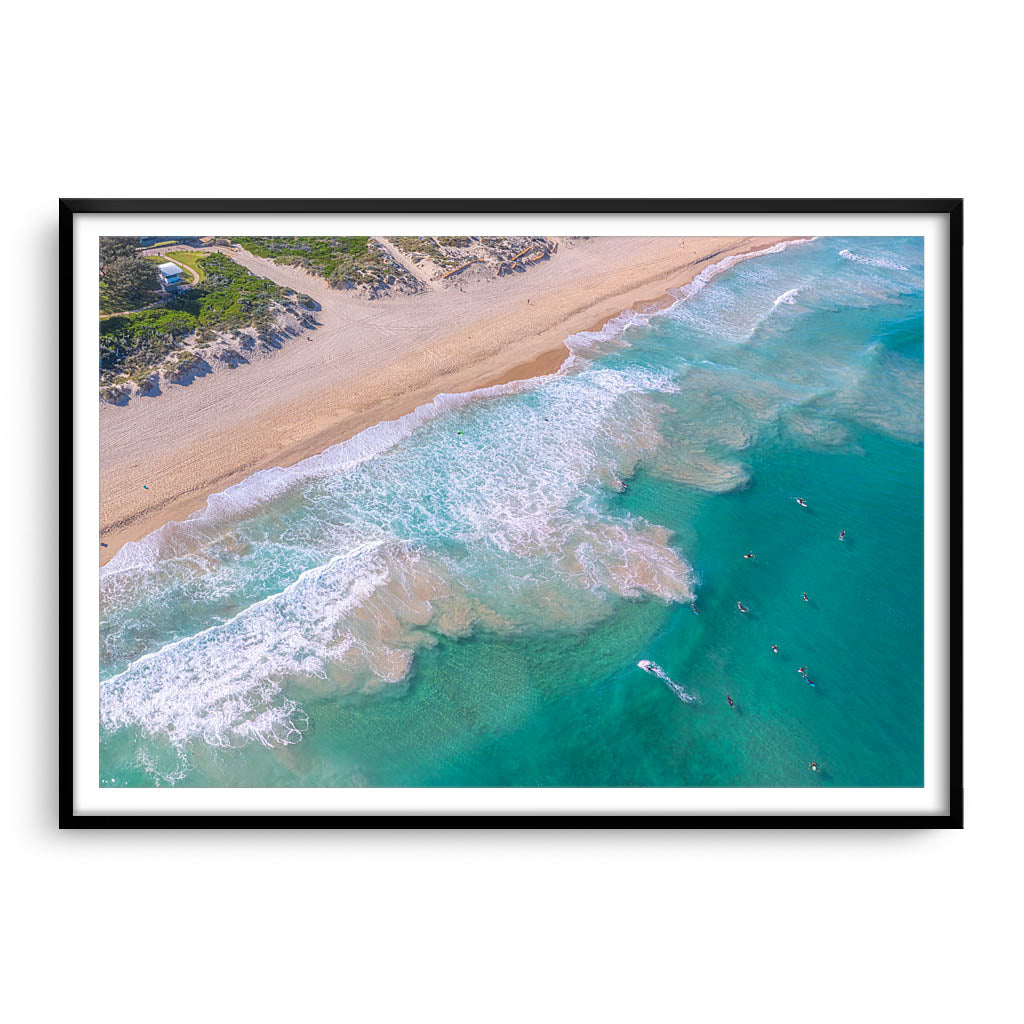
x=370, y=361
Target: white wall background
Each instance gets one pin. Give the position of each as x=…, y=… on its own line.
x=473, y=99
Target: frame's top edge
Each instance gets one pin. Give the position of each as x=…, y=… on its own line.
x=499, y=205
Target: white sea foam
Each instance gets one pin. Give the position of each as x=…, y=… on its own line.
x=709, y=273
x=681, y=692
x=872, y=261
x=789, y=298
x=613, y=330
x=523, y=502
x=328, y=576
x=172, y=772
x=222, y=685
x=255, y=491
x=586, y=342
x=356, y=622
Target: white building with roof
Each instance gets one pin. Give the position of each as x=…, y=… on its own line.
x=172, y=277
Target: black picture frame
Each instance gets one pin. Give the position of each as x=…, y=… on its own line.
x=951, y=208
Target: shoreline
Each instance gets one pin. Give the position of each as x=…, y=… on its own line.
x=200, y=440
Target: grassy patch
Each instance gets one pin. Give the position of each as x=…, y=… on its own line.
x=192, y=260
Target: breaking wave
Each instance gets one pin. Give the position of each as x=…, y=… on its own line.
x=872, y=261
x=497, y=510
x=328, y=578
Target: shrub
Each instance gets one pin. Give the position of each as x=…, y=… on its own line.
x=228, y=299
x=324, y=255
x=118, y=247
x=148, y=322
x=129, y=280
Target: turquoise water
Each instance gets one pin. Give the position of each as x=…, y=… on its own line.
x=461, y=598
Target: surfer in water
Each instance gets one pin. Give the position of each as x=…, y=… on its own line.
x=813, y=766
x=749, y=554
x=842, y=535
x=801, y=502
x=775, y=648
x=693, y=605
x=803, y=670
x=806, y=598
x=739, y=604
x=729, y=699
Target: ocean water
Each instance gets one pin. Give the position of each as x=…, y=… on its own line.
x=460, y=598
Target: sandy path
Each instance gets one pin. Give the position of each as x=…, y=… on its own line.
x=369, y=361
x=194, y=274
x=403, y=260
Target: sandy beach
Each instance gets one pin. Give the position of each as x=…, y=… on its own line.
x=161, y=457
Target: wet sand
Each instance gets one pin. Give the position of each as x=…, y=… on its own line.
x=161, y=457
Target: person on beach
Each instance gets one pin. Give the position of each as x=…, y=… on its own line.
x=739, y=604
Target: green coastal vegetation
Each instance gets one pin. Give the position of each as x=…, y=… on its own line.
x=372, y=263
x=323, y=255
x=419, y=246
x=127, y=280
x=343, y=262
x=451, y=253
x=228, y=298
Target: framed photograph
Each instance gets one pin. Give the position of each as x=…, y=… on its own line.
x=575, y=513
